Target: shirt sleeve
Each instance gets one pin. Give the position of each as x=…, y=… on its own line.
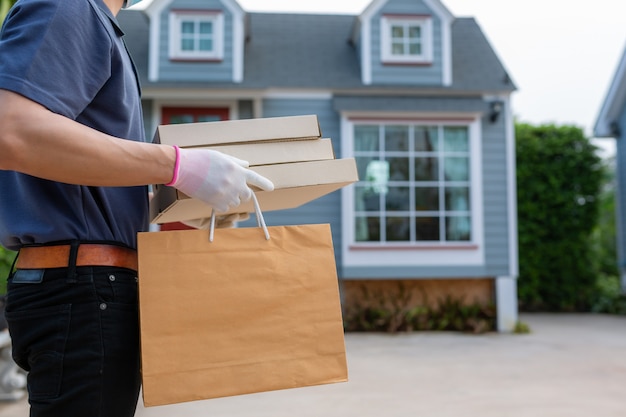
x=56, y=53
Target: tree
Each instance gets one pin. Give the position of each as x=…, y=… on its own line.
x=559, y=180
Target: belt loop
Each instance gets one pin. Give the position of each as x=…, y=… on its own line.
x=71, y=265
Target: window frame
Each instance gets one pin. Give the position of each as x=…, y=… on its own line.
x=360, y=253
x=198, y=16
x=425, y=22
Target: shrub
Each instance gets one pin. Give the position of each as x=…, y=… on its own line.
x=559, y=179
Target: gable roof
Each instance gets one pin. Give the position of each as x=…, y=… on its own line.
x=315, y=51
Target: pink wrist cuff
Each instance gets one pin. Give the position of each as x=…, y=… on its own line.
x=176, y=168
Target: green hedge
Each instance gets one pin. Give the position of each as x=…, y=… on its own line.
x=6, y=260
x=559, y=181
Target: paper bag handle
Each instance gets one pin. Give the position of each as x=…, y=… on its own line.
x=260, y=220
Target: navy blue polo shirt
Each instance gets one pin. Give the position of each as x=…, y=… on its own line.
x=69, y=56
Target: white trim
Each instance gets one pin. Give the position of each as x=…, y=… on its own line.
x=506, y=304
x=613, y=102
x=366, y=39
x=366, y=53
x=473, y=254
x=238, y=39
x=426, y=26
x=440, y=10
x=446, y=52
x=154, y=9
x=511, y=187
x=217, y=36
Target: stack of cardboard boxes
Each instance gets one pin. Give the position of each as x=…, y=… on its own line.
x=289, y=151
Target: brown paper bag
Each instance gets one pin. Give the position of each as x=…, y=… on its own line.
x=240, y=314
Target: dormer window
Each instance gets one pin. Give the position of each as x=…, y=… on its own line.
x=406, y=39
x=196, y=35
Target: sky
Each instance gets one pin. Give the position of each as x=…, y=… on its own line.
x=561, y=54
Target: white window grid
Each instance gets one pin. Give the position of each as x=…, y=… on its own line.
x=197, y=17
x=425, y=39
x=442, y=184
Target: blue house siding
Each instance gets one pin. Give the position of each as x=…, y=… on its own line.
x=418, y=272
x=385, y=74
x=195, y=71
x=620, y=213
x=495, y=202
x=328, y=208
x=323, y=108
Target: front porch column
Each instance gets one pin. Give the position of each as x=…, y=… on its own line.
x=506, y=303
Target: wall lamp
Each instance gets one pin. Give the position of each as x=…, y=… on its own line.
x=615, y=130
x=495, y=109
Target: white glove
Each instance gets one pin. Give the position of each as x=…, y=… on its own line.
x=221, y=222
x=218, y=179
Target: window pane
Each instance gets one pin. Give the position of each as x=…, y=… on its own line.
x=427, y=199
x=373, y=172
x=397, y=48
x=398, y=229
x=398, y=169
x=398, y=199
x=206, y=28
x=397, y=138
x=187, y=27
x=426, y=139
x=415, y=32
x=457, y=199
x=366, y=199
x=186, y=44
x=181, y=118
x=397, y=32
x=414, y=182
x=426, y=169
x=366, y=138
x=458, y=229
x=415, y=49
x=456, y=169
x=208, y=118
x=455, y=139
x=362, y=162
x=427, y=228
x=367, y=229
x=206, y=45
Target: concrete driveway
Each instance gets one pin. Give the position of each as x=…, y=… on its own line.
x=571, y=365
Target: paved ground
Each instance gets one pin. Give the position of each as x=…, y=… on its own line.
x=569, y=366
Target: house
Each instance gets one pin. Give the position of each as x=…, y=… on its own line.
x=611, y=123
x=415, y=94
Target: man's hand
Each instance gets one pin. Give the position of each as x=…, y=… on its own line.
x=219, y=180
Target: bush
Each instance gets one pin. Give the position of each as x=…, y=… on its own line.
x=559, y=179
x=394, y=312
x=6, y=260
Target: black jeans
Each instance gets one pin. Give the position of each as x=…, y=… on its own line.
x=77, y=336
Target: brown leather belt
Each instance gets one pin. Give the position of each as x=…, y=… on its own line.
x=89, y=254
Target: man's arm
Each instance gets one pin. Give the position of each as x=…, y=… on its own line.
x=38, y=142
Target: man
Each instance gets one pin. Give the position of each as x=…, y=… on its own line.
x=73, y=173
